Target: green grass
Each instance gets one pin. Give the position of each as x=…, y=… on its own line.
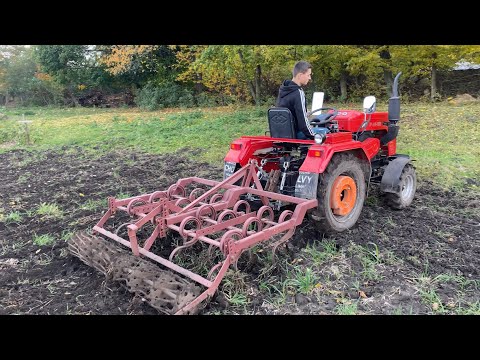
x=234, y=288
x=300, y=280
x=317, y=255
x=66, y=235
x=13, y=217
x=122, y=195
x=44, y=239
x=470, y=309
x=49, y=210
x=432, y=299
x=237, y=299
x=370, y=257
x=441, y=137
x=92, y=205
x=346, y=308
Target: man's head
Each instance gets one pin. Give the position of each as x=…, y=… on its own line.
x=302, y=73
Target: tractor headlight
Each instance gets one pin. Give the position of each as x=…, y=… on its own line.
x=319, y=138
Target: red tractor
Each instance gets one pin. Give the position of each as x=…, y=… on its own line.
x=270, y=184
x=351, y=150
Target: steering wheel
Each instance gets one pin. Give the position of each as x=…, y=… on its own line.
x=323, y=119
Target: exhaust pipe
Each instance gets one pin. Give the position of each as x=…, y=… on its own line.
x=393, y=113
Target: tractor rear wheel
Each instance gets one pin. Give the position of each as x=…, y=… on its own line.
x=408, y=187
x=341, y=194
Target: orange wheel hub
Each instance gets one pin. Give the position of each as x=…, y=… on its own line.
x=343, y=195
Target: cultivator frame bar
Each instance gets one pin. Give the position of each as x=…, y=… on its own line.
x=197, y=216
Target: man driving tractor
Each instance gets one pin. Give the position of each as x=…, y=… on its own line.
x=292, y=96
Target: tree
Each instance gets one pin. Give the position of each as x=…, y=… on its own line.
x=240, y=70
x=427, y=60
x=7, y=55
x=124, y=58
x=74, y=66
x=333, y=62
x=140, y=64
x=186, y=55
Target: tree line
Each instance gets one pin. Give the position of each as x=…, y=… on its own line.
x=156, y=76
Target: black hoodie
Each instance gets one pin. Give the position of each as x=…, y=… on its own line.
x=291, y=96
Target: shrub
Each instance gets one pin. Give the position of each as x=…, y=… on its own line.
x=154, y=97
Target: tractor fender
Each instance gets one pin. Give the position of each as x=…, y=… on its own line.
x=319, y=157
x=391, y=177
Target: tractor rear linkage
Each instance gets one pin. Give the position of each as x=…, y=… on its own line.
x=219, y=211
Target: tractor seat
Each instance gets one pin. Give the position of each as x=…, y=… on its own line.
x=280, y=123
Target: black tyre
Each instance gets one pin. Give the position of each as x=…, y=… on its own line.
x=341, y=194
x=408, y=186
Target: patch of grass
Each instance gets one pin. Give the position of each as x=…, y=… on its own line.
x=234, y=287
x=390, y=258
x=397, y=311
x=372, y=200
x=431, y=298
x=66, y=235
x=23, y=178
x=400, y=311
x=470, y=309
x=123, y=195
x=370, y=257
x=277, y=294
x=49, y=210
x=237, y=299
x=389, y=221
x=462, y=281
x=91, y=205
x=427, y=287
x=45, y=239
x=346, y=308
x=329, y=252
x=369, y=272
x=13, y=217
x=25, y=163
x=303, y=281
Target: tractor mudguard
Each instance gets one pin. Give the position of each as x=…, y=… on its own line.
x=319, y=157
x=229, y=167
x=391, y=176
x=306, y=185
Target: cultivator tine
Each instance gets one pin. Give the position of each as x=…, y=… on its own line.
x=213, y=213
x=284, y=216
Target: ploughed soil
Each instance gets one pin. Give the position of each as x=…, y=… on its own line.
x=422, y=260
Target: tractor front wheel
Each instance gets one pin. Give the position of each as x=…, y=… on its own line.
x=341, y=194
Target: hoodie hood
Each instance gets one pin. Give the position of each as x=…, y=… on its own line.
x=287, y=87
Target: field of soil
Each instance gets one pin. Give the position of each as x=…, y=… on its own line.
x=423, y=260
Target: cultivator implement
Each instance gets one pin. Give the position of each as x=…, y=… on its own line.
x=218, y=215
